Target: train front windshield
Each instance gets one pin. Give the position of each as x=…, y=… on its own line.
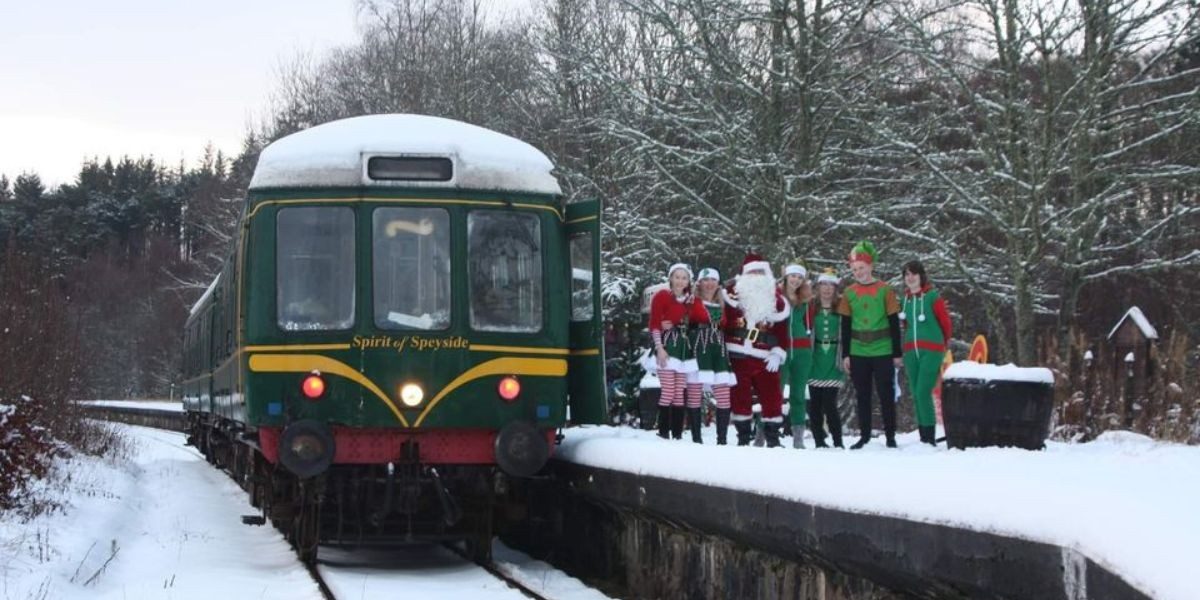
x=411, y=268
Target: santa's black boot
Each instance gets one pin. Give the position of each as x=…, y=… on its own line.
x=693, y=415
x=743, y=432
x=677, y=414
x=664, y=422
x=771, y=433
x=862, y=441
x=722, y=425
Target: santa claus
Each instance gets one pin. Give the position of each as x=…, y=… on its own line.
x=756, y=335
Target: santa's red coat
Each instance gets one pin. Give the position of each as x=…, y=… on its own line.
x=735, y=327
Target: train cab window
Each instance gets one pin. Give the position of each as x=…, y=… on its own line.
x=505, y=271
x=581, y=277
x=314, y=268
x=411, y=268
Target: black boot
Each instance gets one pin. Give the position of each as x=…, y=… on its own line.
x=664, y=422
x=928, y=436
x=863, y=441
x=743, y=432
x=891, y=440
x=722, y=425
x=817, y=429
x=693, y=415
x=771, y=433
x=677, y=413
x=835, y=428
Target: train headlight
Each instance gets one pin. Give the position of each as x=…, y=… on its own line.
x=313, y=386
x=509, y=388
x=306, y=448
x=411, y=394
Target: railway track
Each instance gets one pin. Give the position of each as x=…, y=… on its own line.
x=495, y=570
x=324, y=570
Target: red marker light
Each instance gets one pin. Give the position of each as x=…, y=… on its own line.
x=509, y=388
x=313, y=386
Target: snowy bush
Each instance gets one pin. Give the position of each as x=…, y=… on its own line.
x=26, y=449
x=40, y=348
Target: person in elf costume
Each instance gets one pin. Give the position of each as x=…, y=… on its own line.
x=712, y=360
x=670, y=312
x=871, y=342
x=926, y=335
x=798, y=293
x=756, y=336
x=825, y=377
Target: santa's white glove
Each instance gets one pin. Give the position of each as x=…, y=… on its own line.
x=774, y=359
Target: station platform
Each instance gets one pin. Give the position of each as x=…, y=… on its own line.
x=1113, y=518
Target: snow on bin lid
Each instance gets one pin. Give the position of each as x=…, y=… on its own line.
x=1010, y=372
x=335, y=155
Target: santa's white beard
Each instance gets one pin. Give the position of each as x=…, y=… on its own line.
x=756, y=295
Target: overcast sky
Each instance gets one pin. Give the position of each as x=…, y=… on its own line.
x=83, y=78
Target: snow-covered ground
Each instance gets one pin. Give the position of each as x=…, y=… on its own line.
x=1124, y=500
x=169, y=522
x=166, y=524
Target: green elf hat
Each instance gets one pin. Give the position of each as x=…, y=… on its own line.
x=864, y=251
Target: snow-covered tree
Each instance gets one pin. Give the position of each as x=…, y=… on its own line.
x=1046, y=143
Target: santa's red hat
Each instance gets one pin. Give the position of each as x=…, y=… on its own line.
x=754, y=262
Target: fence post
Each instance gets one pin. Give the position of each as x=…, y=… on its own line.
x=1129, y=391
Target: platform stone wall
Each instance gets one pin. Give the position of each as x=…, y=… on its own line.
x=649, y=537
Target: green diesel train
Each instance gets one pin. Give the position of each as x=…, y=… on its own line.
x=409, y=314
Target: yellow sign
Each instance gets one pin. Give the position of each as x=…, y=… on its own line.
x=979, y=350
x=409, y=342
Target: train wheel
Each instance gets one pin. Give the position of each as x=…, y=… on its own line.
x=479, y=544
x=306, y=524
x=479, y=547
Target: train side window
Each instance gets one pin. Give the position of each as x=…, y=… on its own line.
x=581, y=277
x=411, y=268
x=505, y=271
x=314, y=268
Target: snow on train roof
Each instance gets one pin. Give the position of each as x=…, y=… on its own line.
x=334, y=155
x=205, y=296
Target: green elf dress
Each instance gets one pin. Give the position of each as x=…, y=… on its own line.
x=799, y=363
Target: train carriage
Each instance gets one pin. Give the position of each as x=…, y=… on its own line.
x=409, y=314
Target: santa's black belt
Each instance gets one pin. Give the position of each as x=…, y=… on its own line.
x=874, y=335
x=756, y=336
